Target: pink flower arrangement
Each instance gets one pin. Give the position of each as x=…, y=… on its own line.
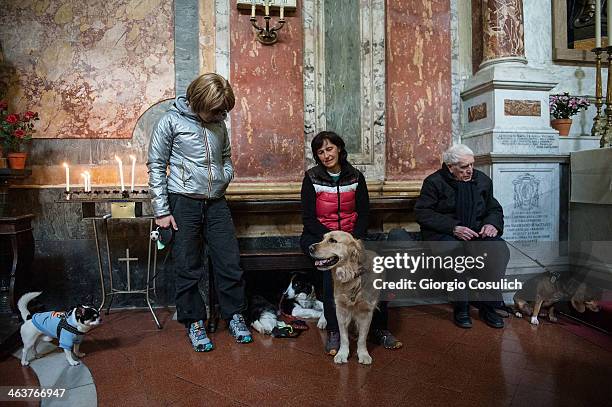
x=565, y=106
x=16, y=128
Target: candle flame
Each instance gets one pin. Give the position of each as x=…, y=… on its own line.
x=132, y=157
x=118, y=159
x=65, y=164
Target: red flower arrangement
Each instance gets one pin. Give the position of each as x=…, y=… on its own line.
x=16, y=128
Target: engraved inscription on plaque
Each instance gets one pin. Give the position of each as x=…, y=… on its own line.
x=535, y=141
x=528, y=220
x=477, y=112
x=522, y=107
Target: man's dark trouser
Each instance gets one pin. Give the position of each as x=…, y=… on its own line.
x=380, y=317
x=496, y=261
x=201, y=223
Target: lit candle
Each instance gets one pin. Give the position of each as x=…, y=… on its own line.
x=133, y=158
x=84, y=181
x=67, y=177
x=253, y=8
x=267, y=6
x=120, y=163
x=88, y=181
x=597, y=23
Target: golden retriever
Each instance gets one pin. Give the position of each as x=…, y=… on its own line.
x=354, y=293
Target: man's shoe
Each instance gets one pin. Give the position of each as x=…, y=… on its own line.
x=198, y=338
x=333, y=343
x=461, y=316
x=490, y=317
x=385, y=338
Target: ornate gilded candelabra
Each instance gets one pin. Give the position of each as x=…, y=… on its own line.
x=599, y=121
x=606, y=138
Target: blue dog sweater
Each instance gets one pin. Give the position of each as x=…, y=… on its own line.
x=47, y=322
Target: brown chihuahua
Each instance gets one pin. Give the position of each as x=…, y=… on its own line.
x=546, y=292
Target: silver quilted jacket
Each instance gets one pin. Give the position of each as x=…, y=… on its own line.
x=187, y=157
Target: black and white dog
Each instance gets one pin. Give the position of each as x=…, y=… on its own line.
x=68, y=327
x=298, y=300
x=301, y=301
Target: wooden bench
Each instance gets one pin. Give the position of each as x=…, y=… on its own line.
x=292, y=259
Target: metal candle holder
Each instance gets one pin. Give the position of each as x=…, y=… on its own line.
x=606, y=137
x=599, y=121
x=267, y=35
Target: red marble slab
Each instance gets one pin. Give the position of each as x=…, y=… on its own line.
x=418, y=87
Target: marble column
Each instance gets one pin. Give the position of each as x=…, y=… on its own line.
x=506, y=122
x=502, y=32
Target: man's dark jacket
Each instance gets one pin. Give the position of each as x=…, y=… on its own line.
x=436, y=208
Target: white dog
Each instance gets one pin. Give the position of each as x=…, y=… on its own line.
x=68, y=328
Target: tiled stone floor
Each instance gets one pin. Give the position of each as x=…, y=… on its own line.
x=135, y=364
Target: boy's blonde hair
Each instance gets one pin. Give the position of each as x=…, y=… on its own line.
x=210, y=94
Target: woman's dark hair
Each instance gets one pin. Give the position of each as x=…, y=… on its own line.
x=333, y=138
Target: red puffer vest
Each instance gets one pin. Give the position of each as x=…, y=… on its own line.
x=335, y=202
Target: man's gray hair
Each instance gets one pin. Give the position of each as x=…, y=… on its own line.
x=455, y=153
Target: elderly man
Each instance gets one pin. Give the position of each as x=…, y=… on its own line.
x=456, y=206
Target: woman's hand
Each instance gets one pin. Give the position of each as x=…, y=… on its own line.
x=166, y=221
x=464, y=233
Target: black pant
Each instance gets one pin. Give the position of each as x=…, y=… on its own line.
x=380, y=318
x=497, y=258
x=205, y=224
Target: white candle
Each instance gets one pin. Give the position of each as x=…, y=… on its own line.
x=133, y=158
x=609, y=23
x=282, y=11
x=88, y=181
x=253, y=8
x=120, y=163
x=267, y=6
x=84, y=176
x=67, y=177
x=597, y=23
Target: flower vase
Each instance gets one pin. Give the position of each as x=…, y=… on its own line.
x=17, y=160
x=562, y=126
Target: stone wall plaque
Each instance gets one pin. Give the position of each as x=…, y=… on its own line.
x=477, y=112
x=529, y=194
x=522, y=107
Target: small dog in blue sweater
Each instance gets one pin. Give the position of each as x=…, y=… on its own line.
x=67, y=327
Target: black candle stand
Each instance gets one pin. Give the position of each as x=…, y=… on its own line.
x=88, y=201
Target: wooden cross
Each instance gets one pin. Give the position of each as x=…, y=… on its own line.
x=127, y=259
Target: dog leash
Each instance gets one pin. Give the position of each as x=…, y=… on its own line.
x=554, y=275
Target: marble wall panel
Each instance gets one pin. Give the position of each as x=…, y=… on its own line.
x=343, y=72
x=89, y=68
x=267, y=122
x=477, y=52
x=477, y=112
x=418, y=86
x=522, y=107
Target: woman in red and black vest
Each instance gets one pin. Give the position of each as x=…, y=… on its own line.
x=335, y=197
